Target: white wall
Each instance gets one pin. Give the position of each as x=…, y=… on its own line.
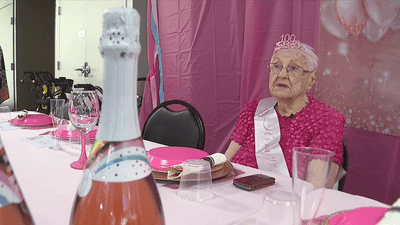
x=6, y=43
x=72, y=50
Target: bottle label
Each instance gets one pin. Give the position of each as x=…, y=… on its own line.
x=7, y=195
x=124, y=165
x=9, y=189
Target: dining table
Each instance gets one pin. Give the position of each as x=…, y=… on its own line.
x=49, y=186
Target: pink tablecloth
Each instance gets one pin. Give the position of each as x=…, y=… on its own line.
x=49, y=187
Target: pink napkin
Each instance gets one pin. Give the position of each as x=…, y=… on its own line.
x=364, y=215
x=392, y=216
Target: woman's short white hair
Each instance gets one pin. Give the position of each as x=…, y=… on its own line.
x=308, y=53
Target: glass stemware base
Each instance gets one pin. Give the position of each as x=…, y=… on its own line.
x=81, y=163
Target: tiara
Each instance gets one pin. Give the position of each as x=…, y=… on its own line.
x=288, y=41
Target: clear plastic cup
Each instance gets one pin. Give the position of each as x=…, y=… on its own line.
x=279, y=208
x=196, y=181
x=311, y=168
x=5, y=113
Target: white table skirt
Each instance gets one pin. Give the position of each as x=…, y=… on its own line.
x=49, y=186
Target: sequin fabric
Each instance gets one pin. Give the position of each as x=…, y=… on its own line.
x=316, y=125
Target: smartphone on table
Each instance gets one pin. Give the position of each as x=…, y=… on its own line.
x=253, y=182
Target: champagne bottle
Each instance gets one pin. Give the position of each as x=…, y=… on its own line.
x=117, y=185
x=13, y=209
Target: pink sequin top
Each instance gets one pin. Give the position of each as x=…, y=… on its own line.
x=316, y=125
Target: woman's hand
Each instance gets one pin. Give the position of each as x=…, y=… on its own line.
x=332, y=175
x=315, y=176
x=232, y=149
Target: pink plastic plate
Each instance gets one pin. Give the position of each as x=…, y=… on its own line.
x=364, y=215
x=164, y=157
x=34, y=120
x=64, y=133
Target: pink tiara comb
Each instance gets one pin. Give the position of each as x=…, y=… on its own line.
x=288, y=41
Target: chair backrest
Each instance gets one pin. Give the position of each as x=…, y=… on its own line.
x=345, y=166
x=175, y=128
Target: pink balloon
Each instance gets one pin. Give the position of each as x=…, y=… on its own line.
x=351, y=15
x=330, y=21
x=382, y=12
x=373, y=32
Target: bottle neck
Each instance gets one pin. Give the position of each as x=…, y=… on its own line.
x=119, y=116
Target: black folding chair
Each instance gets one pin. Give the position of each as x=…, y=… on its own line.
x=345, y=166
x=175, y=128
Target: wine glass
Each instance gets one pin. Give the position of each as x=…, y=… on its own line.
x=56, y=114
x=84, y=112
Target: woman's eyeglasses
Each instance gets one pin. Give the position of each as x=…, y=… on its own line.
x=292, y=70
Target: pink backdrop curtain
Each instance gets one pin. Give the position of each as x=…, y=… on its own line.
x=265, y=22
x=215, y=53
x=153, y=78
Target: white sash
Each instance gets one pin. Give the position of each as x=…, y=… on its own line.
x=267, y=136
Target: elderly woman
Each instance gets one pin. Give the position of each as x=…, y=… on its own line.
x=268, y=129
